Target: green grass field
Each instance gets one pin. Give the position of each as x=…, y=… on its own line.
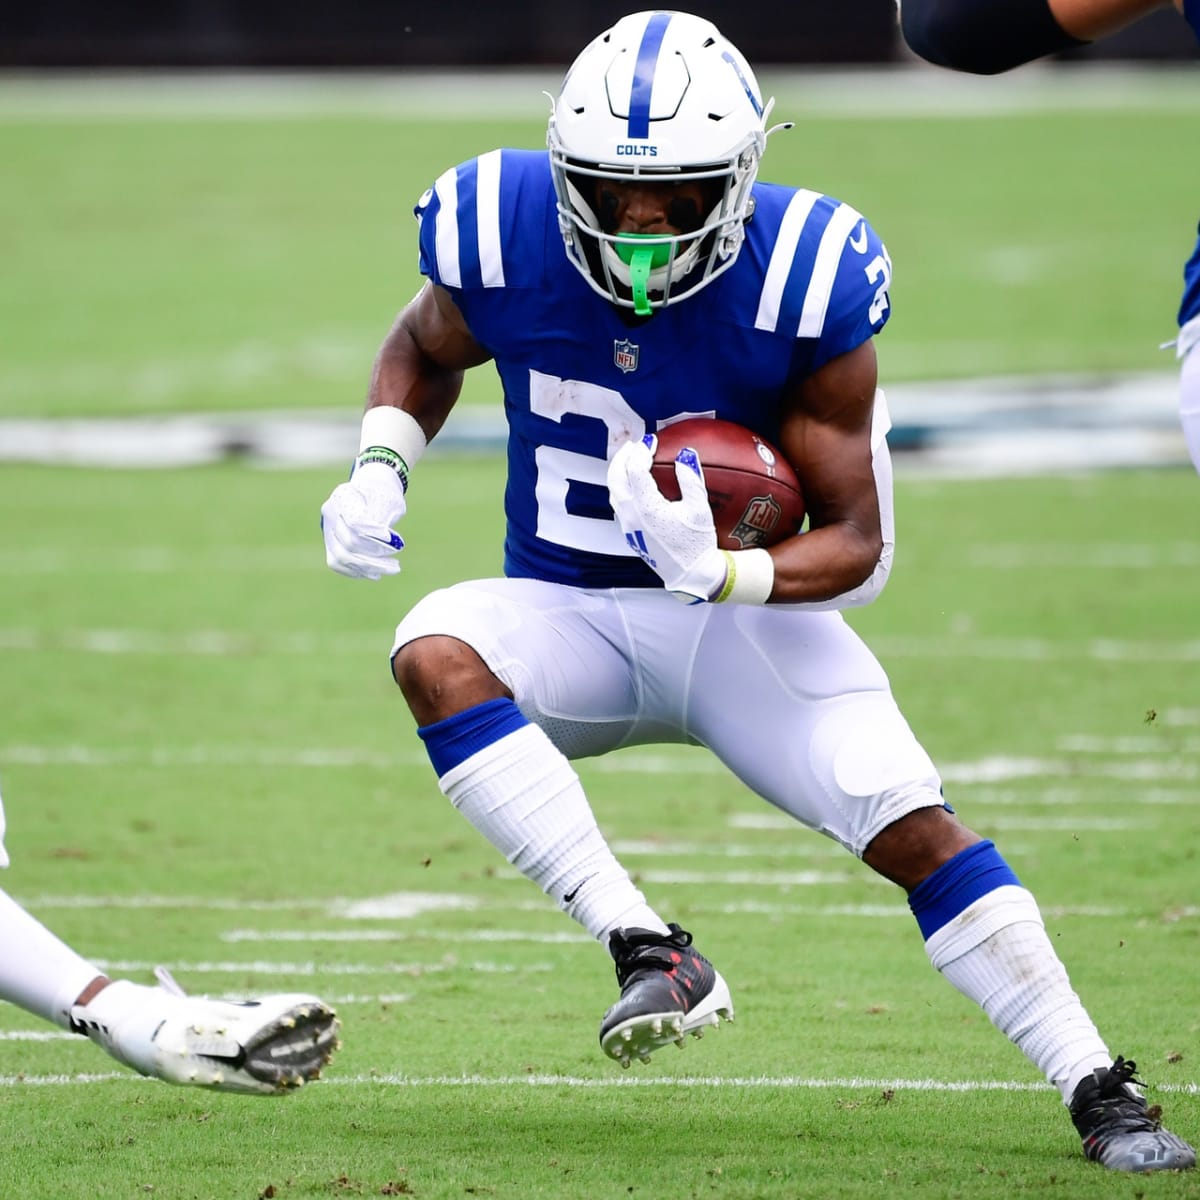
x=182, y=262
x=206, y=765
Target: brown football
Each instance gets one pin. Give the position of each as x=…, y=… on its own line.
x=752, y=490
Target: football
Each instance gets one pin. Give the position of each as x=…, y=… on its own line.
x=752, y=490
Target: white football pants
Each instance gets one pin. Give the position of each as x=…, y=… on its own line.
x=791, y=701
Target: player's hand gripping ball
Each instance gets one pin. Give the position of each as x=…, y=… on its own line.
x=753, y=492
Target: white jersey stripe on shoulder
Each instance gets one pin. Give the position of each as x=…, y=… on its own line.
x=825, y=268
x=446, y=230
x=487, y=208
x=782, y=256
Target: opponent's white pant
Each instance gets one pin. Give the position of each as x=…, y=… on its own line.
x=791, y=701
x=1189, y=387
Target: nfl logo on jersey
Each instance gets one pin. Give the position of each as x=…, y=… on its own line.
x=625, y=355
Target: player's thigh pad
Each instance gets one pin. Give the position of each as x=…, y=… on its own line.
x=561, y=651
x=800, y=709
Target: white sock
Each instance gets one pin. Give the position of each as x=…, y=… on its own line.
x=523, y=796
x=38, y=972
x=996, y=953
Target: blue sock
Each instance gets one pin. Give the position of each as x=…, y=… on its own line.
x=455, y=739
x=957, y=884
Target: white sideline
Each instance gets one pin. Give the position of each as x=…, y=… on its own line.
x=382, y=907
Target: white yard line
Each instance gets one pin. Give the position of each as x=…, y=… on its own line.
x=1107, y=556
x=560, y=938
x=952, y=645
x=685, y=1082
x=400, y=907
x=993, y=769
x=320, y=970
x=220, y=643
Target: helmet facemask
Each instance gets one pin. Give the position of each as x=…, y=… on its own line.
x=648, y=270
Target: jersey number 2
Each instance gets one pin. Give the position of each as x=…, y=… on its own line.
x=557, y=468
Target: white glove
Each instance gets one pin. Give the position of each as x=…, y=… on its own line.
x=357, y=522
x=676, y=538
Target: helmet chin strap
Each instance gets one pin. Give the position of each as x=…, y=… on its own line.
x=641, y=260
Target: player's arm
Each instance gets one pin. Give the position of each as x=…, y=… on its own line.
x=419, y=368
x=987, y=37
x=826, y=435
x=1090, y=20
x=417, y=378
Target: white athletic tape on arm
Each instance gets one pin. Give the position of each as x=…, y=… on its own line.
x=395, y=429
x=750, y=578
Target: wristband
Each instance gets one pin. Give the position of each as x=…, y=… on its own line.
x=389, y=458
x=395, y=430
x=749, y=577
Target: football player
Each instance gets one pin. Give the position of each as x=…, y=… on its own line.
x=990, y=36
x=266, y=1046
x=635, y=273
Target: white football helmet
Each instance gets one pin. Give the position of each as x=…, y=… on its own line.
x=660, y=97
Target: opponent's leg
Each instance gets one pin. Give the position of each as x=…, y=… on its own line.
x=507, y=776
x=266, y=1046
x=39, y=972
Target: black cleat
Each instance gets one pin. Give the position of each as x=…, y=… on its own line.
x=667, y=990
x=1119, y=1131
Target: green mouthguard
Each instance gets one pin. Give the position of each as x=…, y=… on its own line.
x=641, y=260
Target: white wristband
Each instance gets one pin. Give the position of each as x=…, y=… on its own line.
x=750, y=577
x=395, y=429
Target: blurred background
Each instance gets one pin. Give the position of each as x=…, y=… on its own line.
x=206, y=208
x=383, y=33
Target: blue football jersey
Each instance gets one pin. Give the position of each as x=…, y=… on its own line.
x=580, y=376
x=1189, y=307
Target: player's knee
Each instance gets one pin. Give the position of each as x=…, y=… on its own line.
x=441, y=676
x=983, y=37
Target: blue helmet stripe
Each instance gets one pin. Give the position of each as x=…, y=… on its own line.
x=643, y=74
x=758, y=110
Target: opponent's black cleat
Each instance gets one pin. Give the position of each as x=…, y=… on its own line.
x=1119, y=1131
x=667, y=990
